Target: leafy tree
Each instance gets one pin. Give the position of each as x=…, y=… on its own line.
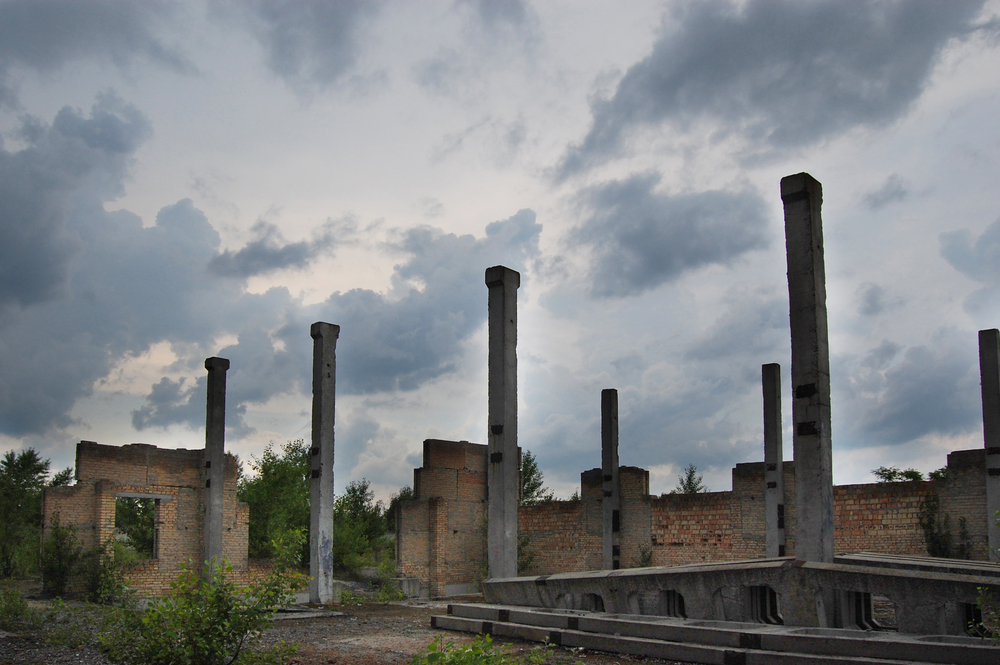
x=690, y=483
x=22, y=477
x=938, y=474
x=359, y=526
x=892, y=474
x=404, y=494
x=134, y=519
x=62, y=478
x=533, y=491
x=278, y=496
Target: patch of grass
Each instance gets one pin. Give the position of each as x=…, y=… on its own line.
x=481, y=651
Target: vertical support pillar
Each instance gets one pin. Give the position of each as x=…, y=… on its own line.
x=989, y=372
x=774, y=484
x=612, y=497
x=802, y=196
x=321, y=586
x=215, y=457
x=503, y=479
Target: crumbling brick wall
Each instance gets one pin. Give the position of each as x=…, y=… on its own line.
x=441, y=533
x=175, y=480
x=566, y=536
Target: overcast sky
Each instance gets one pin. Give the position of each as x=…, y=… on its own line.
x=181, y=180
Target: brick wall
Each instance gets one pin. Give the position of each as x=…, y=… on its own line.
x=566, y=536
x=174, y=478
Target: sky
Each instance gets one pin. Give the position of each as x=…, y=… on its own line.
x=180, y=180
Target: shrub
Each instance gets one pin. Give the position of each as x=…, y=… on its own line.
x=104, y=567
x=60, y=553
x=15, y=615
x=481, y=651
x=206, y=619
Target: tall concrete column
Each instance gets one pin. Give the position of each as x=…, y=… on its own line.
x=802, y=196
x=503, y=477
x=989, y=372
x=774, y=484
x=321, y=586
x=612, y=497
x=215, y=457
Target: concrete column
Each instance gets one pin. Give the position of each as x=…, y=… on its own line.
x=612, y=497
x=989, y=372
x=215, y=457
x=802, y=197
x=321, y=586
x=503, y=478
x=774, y=484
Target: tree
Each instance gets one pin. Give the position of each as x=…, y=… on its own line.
x=22, y=477
x=134, y=519
x=359, y=526
x=892, y=474
x=404, y=494
x=690, y=482
x=278, y=496
x=533, y=491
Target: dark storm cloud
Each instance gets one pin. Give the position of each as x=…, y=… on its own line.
x=874, y=300
x=892, y=396
x=641, y=239
x=41, y=188
x=44, y=35
x=782, y=73
x=978, y=260
x=307, y=42
x=268, y=252
x=892, y=190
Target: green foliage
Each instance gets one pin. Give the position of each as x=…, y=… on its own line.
x=892, y=474
x=533, y=491
x=936, y=527
x=60, y=553
x=348, y=597
x=690, y=483
x=404, y=494
x=525, y=553
x=15, y=615
x=134, y=520
x=62, y=478
x=278, y=497
x=359, y=526
x=481, y=651
x=643, y=557
x=206, y=619
x=938, y=474
x=104, y=567
x=22, y=477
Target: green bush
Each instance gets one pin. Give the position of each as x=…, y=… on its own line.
x=61, y=552
x=103, y=568
x=206, y=619
x=15, y=615
x=481, y=651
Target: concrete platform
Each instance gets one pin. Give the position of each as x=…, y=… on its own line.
x=717, y=642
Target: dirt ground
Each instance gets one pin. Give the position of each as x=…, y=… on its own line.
x=366, y=634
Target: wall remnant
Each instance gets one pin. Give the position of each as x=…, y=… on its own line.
x=175, y=480
x=321, y=498
x=438, y=543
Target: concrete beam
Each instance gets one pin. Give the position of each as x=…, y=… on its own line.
x=611, y=502
x=802, y=196
x=989, y=372
x=322, y=586
x=215, y=457
x=503, y=476
x=774, y=484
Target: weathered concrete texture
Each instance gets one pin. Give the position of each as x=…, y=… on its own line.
x=504, y=460
x=215, y=455
x=774, y=477
x=802, y=197
x=322, y=587
x=654, y=633
x=611, y=499
x=989, y=372
x=926, y=602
